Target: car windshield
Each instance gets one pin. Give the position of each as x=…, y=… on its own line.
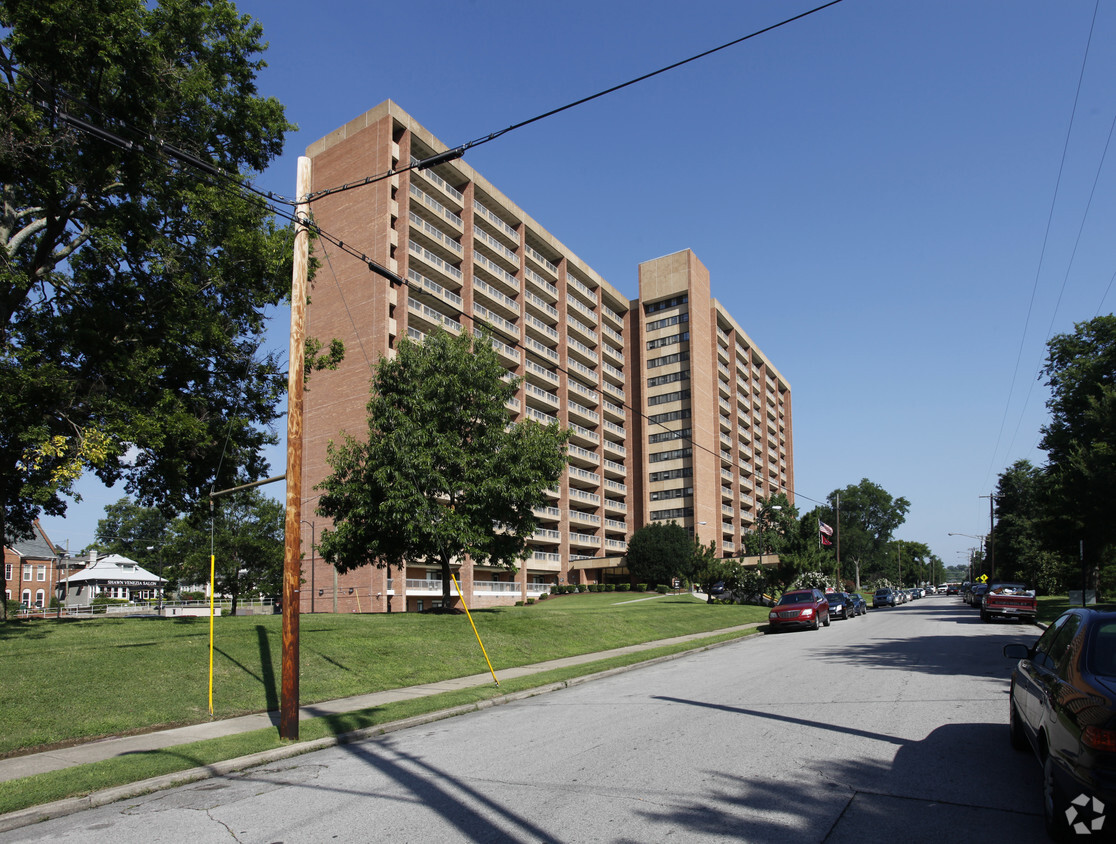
x=882, y=592
x=834, y=596
x=797, y=598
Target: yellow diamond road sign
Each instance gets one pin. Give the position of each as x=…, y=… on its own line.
x=984, y=578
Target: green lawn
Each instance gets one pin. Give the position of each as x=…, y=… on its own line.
x=82, y=679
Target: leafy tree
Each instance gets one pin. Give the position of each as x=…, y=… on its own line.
x=1080, y=439
x=661, y=551
x=442, y=474
x=869, y=519
x=137, y=532
x=246, y=542
x=134, y=286
x=1020, y=512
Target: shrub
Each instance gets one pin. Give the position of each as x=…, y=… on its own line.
x=641, y=587
x=519, y=603
x=610, y=587
x=543, y=596
x=662, y=588
x=583, y=587
x=623, y=587
x=531, y=601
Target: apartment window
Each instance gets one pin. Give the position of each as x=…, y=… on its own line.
x=664, y=436
x=671, y=474
x=676, y=513
x=666, y=398
x=7, y=571
x=654, y=307
x=25, y=599
x=673, y=454
x=666, y=360
x=669, y=416
x=666, y=322
x=27, y=572
x=669, y=378
x=40, y=573
x=40, y=596
x=668, y=494
x=672, y=340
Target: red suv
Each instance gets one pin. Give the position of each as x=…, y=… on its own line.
x=799, y=608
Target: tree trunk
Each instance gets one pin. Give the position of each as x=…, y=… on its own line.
x=447, y=584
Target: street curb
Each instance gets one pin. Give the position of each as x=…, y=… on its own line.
x=72, y=805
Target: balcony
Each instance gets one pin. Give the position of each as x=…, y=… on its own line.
x=504, y=228
x=576, y=452
x=541, y=304
x=430, y=259
x=542, y=261
x=436, y=234
x=592, y=478
x=586, y=393
x=548, y=290
x=481, y=313
x=509, y=282
x=432, y=316
x=535, y=346
x=582, y=412
x=577, y=347
x=435, y=206
x=434, y=179
x=613, y=315
x=535, y=370
x=585, y=372
x=496, y=297
x=498, y=249
x=418, y=280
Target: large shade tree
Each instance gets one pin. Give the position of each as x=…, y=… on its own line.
x=134, y=286
x=241, y=545
x=442, y=473
x=1080, y=440
x=661, y=551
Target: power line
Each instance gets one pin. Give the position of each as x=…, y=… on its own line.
x=459, y=151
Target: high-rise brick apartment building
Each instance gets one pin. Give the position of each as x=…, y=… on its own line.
x=674, y=413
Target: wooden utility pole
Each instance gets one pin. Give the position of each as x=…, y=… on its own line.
x=292, y=552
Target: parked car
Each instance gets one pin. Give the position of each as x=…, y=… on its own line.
x=859, y=604
x=1009, y=600
x=976, y=597
x=799, y=608
x=840, y=605
x=1063, y=708
x=953, y=588
x=883, y=598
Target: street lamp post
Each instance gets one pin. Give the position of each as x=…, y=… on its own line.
x=979, y=539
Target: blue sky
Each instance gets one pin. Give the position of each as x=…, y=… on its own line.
x=870, y=189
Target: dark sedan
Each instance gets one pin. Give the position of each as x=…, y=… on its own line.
x=840, y=605
x=1063, y=707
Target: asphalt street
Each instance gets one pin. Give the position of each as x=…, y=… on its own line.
x=886, y=727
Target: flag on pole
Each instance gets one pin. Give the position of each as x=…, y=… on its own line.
x=824, y=528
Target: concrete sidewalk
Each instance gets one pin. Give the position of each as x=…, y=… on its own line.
x=96, y=751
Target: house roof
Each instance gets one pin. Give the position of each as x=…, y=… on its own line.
x=37, y=547
x=114, y=570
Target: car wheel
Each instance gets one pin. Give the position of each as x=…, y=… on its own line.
x=826, y=621
x=1054, y=803
x=985, y=617
x=816, y=625
x=1015, y=729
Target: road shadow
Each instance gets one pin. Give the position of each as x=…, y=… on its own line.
x=930, y=790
